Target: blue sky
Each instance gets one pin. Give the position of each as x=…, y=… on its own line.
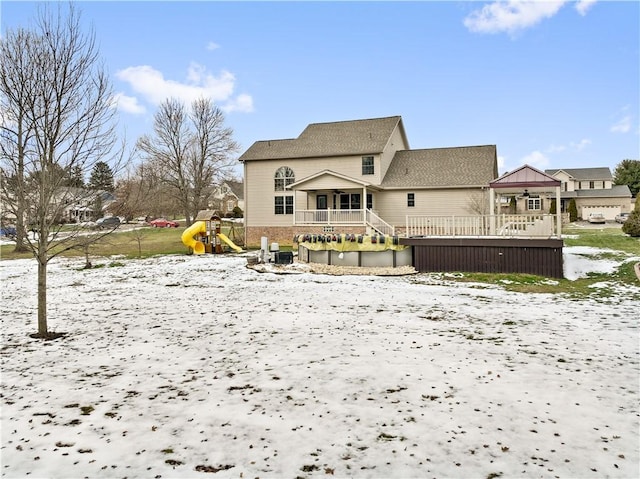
x=552, y=84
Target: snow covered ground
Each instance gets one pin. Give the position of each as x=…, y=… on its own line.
x=185, y=366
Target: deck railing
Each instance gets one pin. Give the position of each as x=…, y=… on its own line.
x=379, y=224
x=482, y=225
x=329, y=217
x=539, y=226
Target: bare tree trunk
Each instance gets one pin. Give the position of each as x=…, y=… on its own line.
x=42, y=295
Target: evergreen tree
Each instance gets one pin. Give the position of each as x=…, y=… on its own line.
x=553, y=207
x=628, y=173
x=632, y=225
x=573, y=210
x=75, y=177
x=102, y=177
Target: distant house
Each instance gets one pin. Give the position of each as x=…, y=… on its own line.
x=593, y=191
x=358, y=176
x=78, y=205
x=227, y=196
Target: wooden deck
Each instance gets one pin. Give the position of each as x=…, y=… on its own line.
x=542, y=257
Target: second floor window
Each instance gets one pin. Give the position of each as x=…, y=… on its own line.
x=284, y=177
x=367, y=165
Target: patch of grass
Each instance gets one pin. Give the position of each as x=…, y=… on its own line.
x=129, y=244
x=153, y=241
x=605, y=238
x=86, y=410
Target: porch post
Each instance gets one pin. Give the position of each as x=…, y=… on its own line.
x=492, y=211
x=364, y=205
x=294, y=206
x=558, y=213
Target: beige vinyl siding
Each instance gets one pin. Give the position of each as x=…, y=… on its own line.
x=609, y=207
x=396, y=143
x=260, y=193
x=329, y=182
x=392, y=205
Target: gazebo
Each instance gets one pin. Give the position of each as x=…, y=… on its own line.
x=525, y=181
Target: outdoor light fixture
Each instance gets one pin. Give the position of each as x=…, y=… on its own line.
x=526, y=193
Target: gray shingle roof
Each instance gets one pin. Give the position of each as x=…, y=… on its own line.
x=442, y=167
x=618, y=191
x=601, y=173
x=356, y=137
x=237, y=188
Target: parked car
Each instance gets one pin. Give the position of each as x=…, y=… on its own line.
x=622, y=217
x=597, y=218
x=163, y=223
x=108, y=222
x=8, y=231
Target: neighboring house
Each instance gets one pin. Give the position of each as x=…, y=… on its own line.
x=358, y=176
x=593, y=191
x=80, y=205
x=227, y=196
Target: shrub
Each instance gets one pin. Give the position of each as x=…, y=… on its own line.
x=632, y=225
x=237, y=212
x=552, y=208
x=573, y=210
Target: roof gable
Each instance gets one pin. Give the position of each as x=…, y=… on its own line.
x=442, y=167
x=346, y=180
x=342, y=138
x=601, y=173
x=525, y=176
x=236, y=187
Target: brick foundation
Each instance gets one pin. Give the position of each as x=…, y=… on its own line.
x=283, y=235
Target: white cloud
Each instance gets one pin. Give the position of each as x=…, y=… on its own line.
x=511, y=16
x=622, y=126
x=128, y=104
x=501, y=162
x=583, y=6
x=243, y=103
x=556, y=149
x=155, y=88
x=536, y=159
x=212, y=46
x=581, y=145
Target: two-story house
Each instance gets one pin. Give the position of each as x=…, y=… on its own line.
x=358, y=176
x=227, y=196
x=593, y=191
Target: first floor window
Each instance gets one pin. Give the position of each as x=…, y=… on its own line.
x=350, y=201
x=283, y=205
x=411, y=199
x=369, y=201
x=534, y=204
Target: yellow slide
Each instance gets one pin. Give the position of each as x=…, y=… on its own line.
x=231, y=244
x=190, y=232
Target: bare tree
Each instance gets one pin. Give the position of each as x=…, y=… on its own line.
x=189, y=150
x=17, y=83
x=62, y=122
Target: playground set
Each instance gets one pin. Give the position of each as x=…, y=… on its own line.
x=205, y=235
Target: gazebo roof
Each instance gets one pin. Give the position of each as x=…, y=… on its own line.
x=525, y=177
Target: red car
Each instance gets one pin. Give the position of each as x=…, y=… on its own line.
x=163, y=223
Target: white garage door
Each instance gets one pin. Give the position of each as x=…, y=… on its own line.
x=609, y=212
